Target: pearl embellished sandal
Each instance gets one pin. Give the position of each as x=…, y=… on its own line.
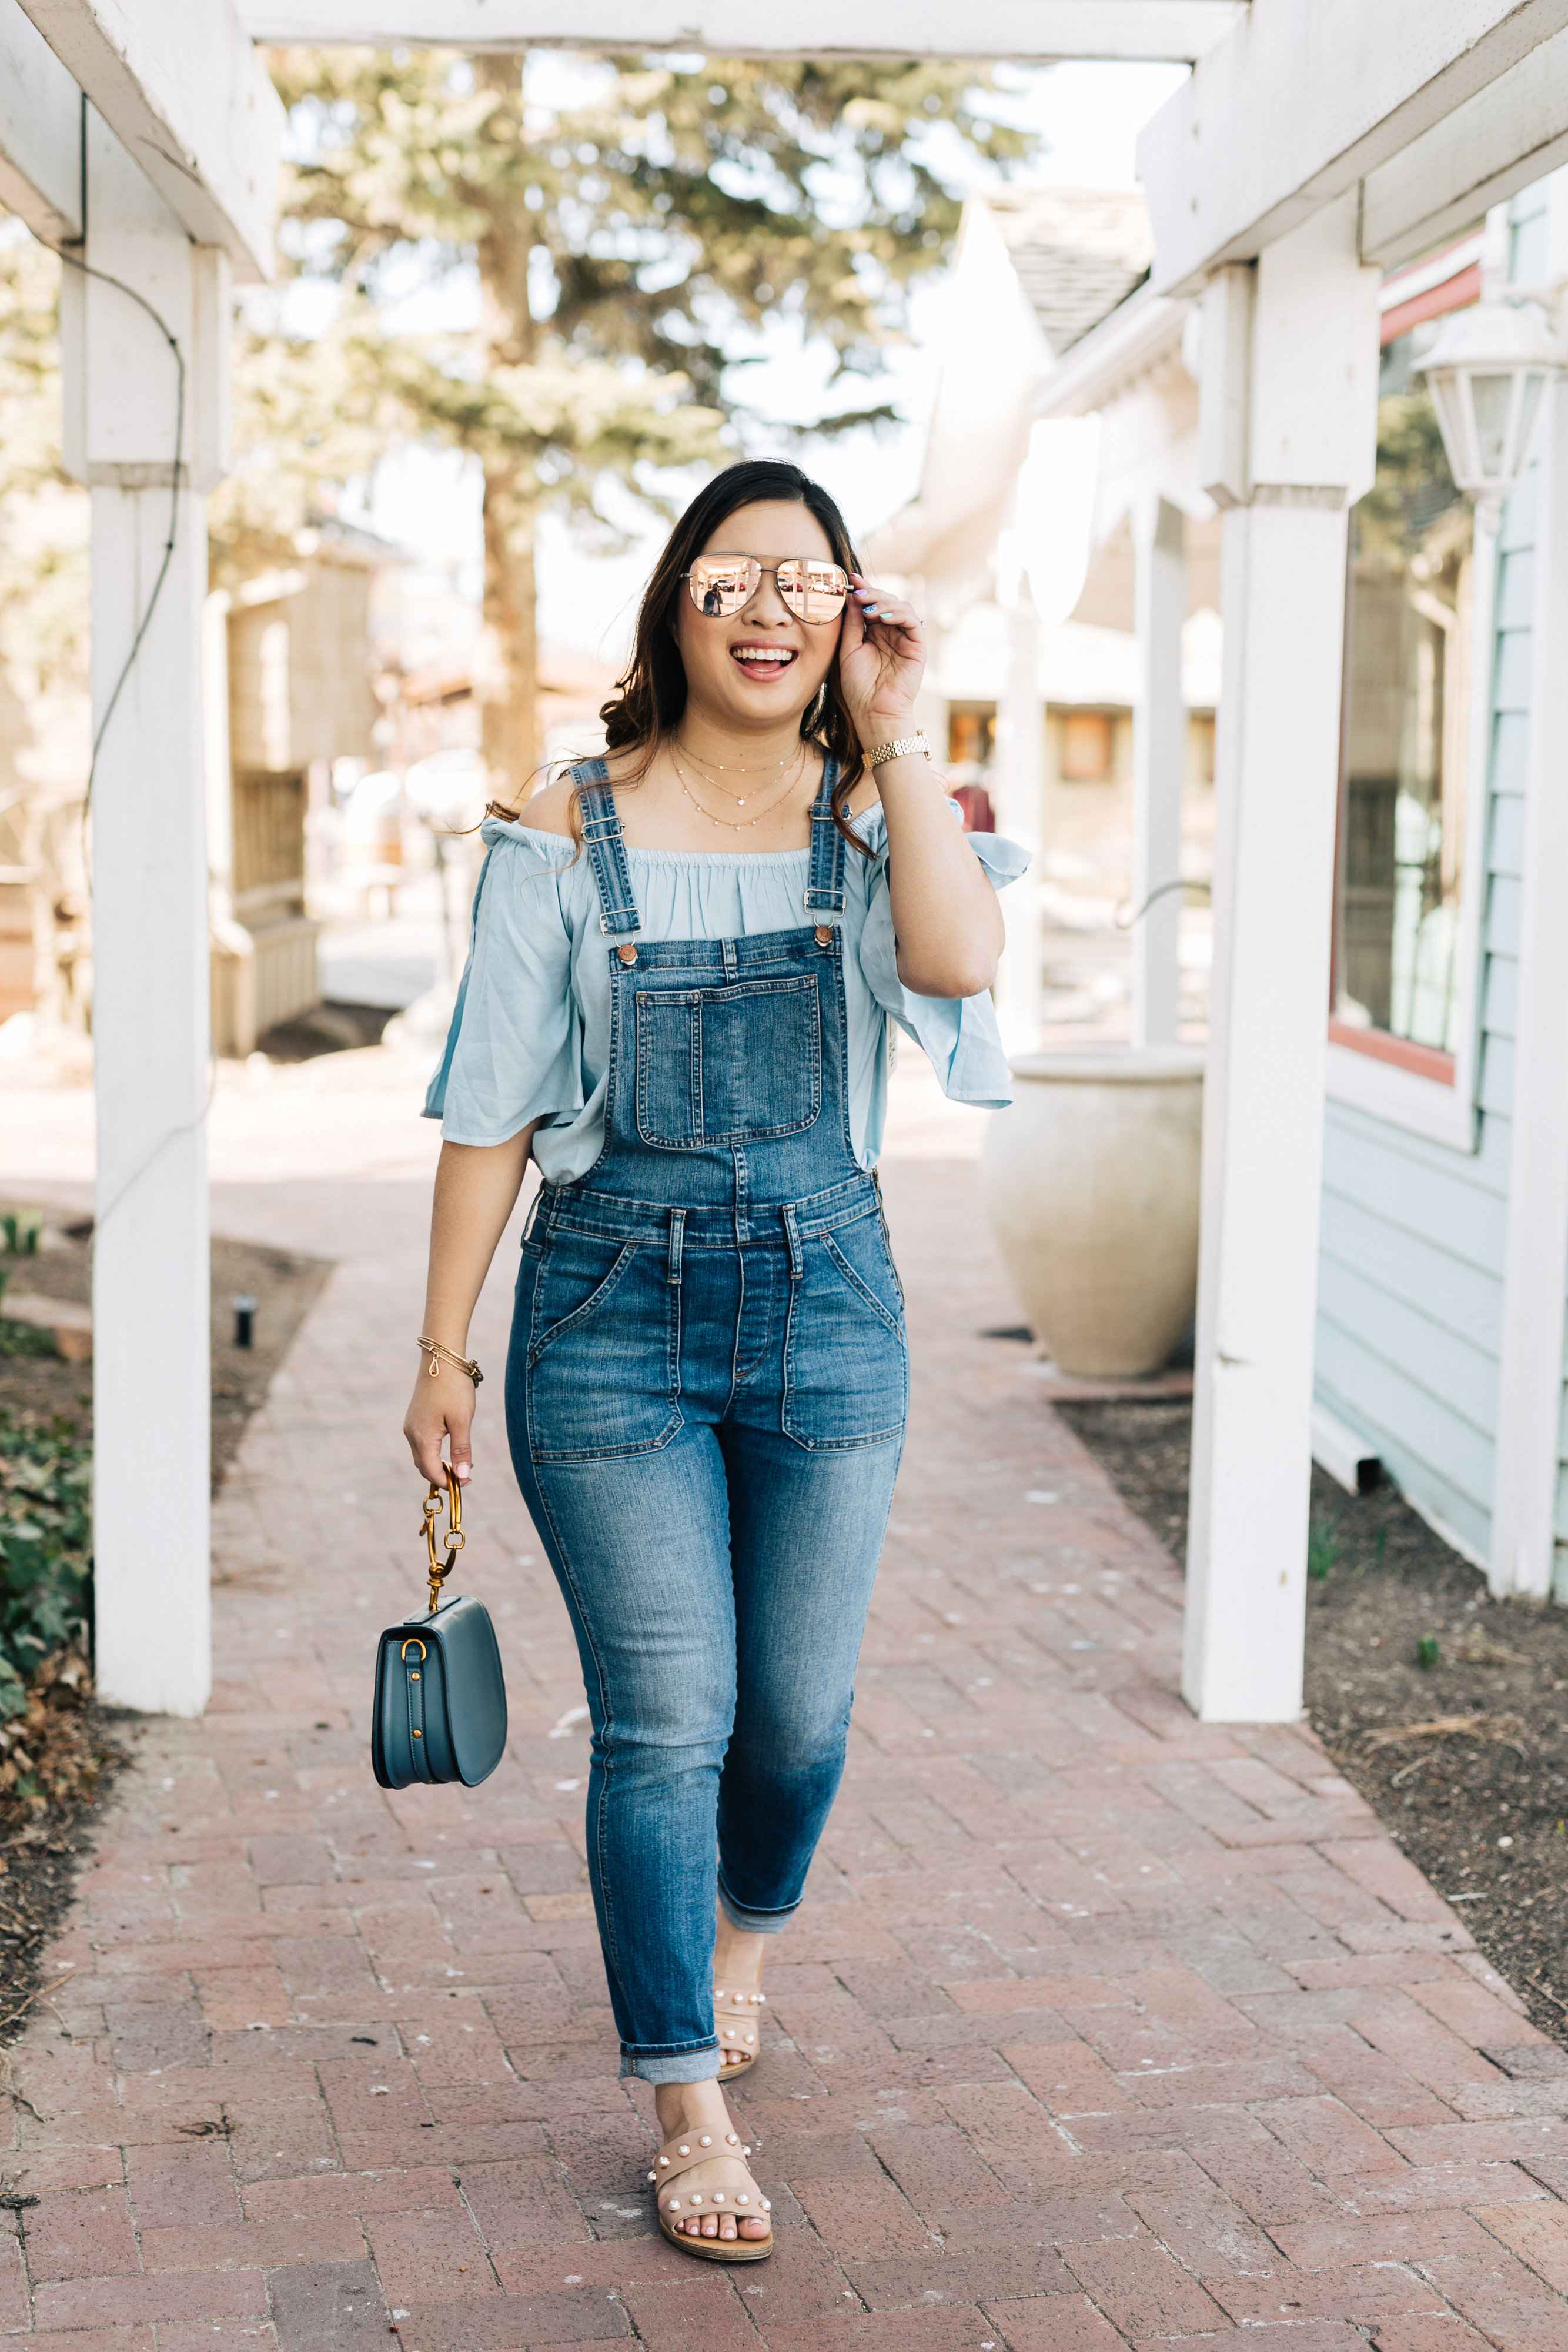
x=736, y=2035
x=678, y=2156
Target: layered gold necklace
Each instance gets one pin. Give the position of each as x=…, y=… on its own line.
x=743, y=824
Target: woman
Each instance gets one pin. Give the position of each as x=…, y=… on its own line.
x=679, y=998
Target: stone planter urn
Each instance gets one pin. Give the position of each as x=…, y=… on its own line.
x=1091, y=1184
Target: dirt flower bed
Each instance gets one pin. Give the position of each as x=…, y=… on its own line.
x=55, y=1749
x=1447, y=1709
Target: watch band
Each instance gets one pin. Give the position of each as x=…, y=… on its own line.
x=906, y=744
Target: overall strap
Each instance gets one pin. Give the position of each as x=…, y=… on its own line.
x=825, y=886
x=606, y=850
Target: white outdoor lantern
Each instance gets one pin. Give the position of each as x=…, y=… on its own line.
x=1486, y=373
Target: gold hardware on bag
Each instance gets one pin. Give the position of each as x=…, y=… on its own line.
x=414, y=1643
x=440, y=1570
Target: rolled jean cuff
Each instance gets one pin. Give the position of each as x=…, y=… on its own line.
x=702, y=2066
x=754, y=1923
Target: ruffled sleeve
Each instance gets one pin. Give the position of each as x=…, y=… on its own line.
x=958, y=1035
x=513, y=1054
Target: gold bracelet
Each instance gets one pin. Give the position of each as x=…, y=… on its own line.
x=904, y=744
x=439, y=1354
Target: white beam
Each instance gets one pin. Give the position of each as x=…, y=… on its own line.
x=1526, y=1543
x=1312, y=403
x=1508, y=136
x=181, y=86
x=40, y=131
x=1159, y=760
x=151, y=1307
x=1019, y=788
x=1176, y=29
x=1301, y=101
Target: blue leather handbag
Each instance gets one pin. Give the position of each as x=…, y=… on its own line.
x=441, y=1698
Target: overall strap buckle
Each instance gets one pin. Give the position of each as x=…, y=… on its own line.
x=606, y=850
x=825, y=882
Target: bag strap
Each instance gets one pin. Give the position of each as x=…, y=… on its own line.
x=440, y=1570
x=413, y=1672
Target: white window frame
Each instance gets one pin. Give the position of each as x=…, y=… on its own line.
x=1445, y=1111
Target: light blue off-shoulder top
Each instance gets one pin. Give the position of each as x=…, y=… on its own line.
x=530, y=1034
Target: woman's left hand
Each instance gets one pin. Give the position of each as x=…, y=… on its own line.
x=882, y=658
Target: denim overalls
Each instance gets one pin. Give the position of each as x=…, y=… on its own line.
x=706, y=1396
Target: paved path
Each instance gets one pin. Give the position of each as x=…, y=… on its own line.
x=1100, y=2028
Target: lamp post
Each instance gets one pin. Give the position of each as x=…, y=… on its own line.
x=1486, y=373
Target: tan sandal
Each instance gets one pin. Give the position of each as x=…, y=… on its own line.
x=678, y=2156
x=736, y=2034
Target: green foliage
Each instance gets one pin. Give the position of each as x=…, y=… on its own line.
x=25, y=1339
x=19, y=1231
x=1323, y=1547
x=1413, y=506
x=46, y=1537
x=1427, y=1650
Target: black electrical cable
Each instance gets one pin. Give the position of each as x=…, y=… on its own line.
x=1162, y=892
x=105, y=278
x=86, y=268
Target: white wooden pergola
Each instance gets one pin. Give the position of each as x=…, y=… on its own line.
x=1316, y=142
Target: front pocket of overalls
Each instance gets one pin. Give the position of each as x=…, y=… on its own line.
x=604, y=1375
x=846, y=1369
x=727, y=1065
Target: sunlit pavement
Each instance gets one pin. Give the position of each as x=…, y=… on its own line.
x=1099, y=2027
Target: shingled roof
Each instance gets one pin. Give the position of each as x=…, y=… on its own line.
x=1078, y=252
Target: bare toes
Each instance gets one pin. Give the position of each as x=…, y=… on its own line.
x=751, y=2227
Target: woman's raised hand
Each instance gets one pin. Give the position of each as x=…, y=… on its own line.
x=442, y=1408
x=882, y=658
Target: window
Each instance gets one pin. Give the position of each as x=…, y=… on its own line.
x=1399, y=991
x=971, y=737
x=1087, y=738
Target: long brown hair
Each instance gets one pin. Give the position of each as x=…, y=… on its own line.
x=651, y=694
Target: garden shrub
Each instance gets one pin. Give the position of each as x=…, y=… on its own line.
x=46, y=1559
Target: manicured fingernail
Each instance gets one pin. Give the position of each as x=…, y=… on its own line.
x=463, y=1469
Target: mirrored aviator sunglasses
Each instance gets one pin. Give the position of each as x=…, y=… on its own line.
x=723, y=585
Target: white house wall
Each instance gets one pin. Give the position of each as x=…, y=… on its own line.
x=1410, y=1284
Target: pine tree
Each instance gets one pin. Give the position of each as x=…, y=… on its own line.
x=619, y=241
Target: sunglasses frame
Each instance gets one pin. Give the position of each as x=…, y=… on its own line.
x=765, y=571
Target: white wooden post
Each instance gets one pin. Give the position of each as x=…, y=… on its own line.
x=1020, y=815
x=1159, y=760
x=1526, y=1542
x=151, y=1366
x=1304, y=381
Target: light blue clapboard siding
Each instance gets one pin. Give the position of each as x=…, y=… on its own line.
x=1414, y=1232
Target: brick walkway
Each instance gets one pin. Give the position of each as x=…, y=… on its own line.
x=1100, y=2028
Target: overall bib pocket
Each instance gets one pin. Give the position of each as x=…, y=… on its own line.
x=603, y=1369
x=727, y=1065
x=846, y=1369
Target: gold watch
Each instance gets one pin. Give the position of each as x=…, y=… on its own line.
x=898, y=751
